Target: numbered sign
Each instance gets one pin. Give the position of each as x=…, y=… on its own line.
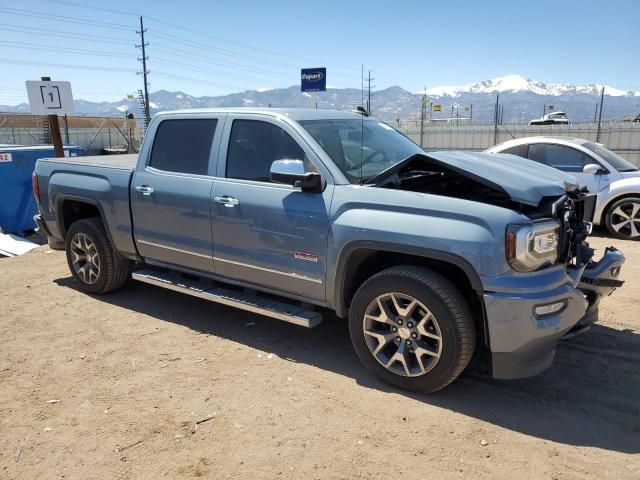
x=50, y=98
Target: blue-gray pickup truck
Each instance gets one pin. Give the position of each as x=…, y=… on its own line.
x=296, y=213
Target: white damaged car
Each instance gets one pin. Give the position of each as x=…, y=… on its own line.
x=615, y=180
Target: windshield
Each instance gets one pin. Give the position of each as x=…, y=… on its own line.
x=361, y=148
x=614, y=159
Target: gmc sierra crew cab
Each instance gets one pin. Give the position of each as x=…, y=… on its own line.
x=294, y=213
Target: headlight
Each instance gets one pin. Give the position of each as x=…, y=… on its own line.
x=530, y=247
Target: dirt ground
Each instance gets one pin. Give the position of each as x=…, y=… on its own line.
x=145, y=383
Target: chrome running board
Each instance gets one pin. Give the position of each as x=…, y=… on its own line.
x=203, y=288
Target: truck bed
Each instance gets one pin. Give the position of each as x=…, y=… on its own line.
x=117, y=162
x=102, y=181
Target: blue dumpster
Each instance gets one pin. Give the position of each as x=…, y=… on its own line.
x=17, y=204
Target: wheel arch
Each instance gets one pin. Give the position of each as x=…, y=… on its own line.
x=360, y=260
x=611, y=201
x=71, y=209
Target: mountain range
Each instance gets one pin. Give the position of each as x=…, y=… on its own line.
x=521, y=99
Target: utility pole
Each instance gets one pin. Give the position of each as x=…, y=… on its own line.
x=369, y=87
x=362, y=86
x=422, y=115
x=495, y=120
x=470, y=112
x=54, y=129
x=600, y=115
x=145, y=72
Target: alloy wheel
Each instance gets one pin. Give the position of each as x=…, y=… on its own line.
x=402, y=334
x=85, y=258
x=625, y=219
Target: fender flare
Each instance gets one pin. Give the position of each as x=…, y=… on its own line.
x=350, y=248
x=89, y=201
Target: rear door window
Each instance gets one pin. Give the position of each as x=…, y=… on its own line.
x=183, y=145
x=559, y=156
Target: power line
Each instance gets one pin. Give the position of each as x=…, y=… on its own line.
x=198, y=45
x=227, y=52
x=40, y=47
x=247, y=67
x=192, y=31
x=64, y=65
x=187, y=42
x=57, y=33
x=192, y=80
x=195, y=56
x=100, y=9
x=77, y=20
x=187, y=66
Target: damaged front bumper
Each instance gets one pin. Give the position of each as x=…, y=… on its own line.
x=525, y=322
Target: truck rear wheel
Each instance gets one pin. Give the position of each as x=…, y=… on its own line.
x=94, y=264
x=411, y=327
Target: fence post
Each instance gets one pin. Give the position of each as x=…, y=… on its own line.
x=66, y=129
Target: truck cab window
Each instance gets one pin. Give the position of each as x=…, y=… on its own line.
x=183, y=145
x=254, y=145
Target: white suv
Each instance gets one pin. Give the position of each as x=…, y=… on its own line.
x=605, y=173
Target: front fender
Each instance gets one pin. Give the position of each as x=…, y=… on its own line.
x=466, y=242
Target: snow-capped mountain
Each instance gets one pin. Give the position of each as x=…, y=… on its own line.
x=521, y=99
x=517, y=83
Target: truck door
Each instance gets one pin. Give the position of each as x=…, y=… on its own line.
x=267, y=233
x=171, y=193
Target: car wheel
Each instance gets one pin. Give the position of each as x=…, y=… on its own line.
x=411, y=327
x=94, y=264
x=623, y=218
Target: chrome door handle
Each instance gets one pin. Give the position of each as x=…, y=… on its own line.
x=226, y=200
x=144, y=190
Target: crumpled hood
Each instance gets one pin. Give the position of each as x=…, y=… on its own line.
x=524, y=180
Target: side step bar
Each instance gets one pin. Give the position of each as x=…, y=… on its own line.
x=209, y=291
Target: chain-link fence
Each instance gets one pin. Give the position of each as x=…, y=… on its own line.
x=94, y=134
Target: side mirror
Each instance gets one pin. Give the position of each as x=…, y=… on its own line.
x=291, y=172
x=592, y=169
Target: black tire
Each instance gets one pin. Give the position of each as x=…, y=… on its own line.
x=443, y=299
x=113, y=269
x=611, y=218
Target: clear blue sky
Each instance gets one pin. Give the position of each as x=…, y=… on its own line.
x=214, y=47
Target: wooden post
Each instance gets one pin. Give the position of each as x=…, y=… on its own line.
x=54, y=129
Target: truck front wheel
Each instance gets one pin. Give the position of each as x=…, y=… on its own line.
x=411, y=327
x=94, y=264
